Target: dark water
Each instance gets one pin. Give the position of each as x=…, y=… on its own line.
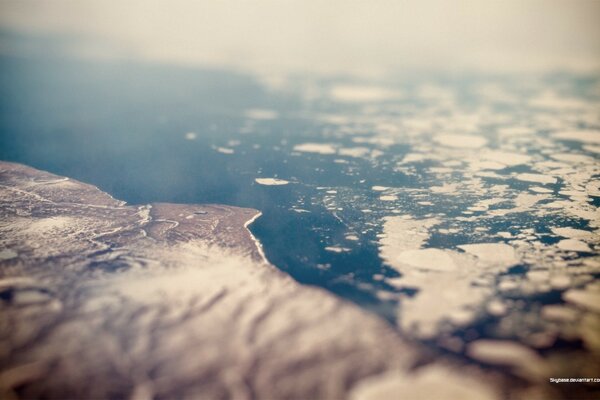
x=122, y=127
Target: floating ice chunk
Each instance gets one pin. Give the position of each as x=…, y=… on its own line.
x=584, y=136
x=271, y=181
x=403, y=234
x=577, y=209
x=536, y=178
x=488, y=174
x=413, y=157
x=539, y=189
x=593, y=188
x=440, y=170
x=461, y=316
x=491, y=252
x=560, y=282
x=523, y=201
x=573, y=245
x=507, y=158
x=496, y=308
x=225, y=150
x=451, y=284
x=319, y=148
x=446, y=188
x=485, y=204
x=482, y=165
x=354, y=151
x=382, y=141
x=337, y=249
x=592, y=148
x=191, y=135
x=573, y=158
x=573, y=233
x=461, y=141
x=376, y=153
x=379, y=188
x=428, y=259
x=538, y=276
x=388, y=197
x=507, y=285
x=515, y=131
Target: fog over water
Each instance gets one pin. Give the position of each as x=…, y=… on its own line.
x=357, y=37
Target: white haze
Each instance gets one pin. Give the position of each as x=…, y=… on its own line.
x=366, y=37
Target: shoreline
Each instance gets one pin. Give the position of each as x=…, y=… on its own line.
x=257, y=242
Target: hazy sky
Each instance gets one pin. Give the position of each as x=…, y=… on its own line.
x=328, y=36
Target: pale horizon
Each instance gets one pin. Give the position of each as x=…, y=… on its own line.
x=357, y=37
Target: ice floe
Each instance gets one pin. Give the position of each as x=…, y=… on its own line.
x=461, y=141
x=452, y=286
x=271, y=181
x=573, y=245
x=584, y=136
x=536, y=178
x=319, y=148
x=225, y=150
